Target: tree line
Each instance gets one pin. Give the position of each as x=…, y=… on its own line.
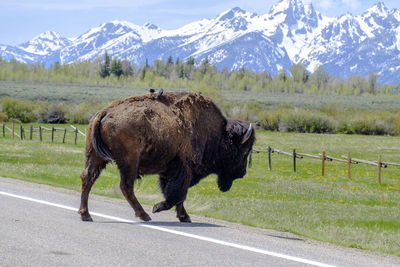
x=202, y=76
x=195, y=75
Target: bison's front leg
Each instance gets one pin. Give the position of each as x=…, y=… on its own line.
x=174, y=185
x=181, y=213
x=163, y=205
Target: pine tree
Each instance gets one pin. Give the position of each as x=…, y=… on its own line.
x=181, y=71
x=170, y=61
x=116, y=67
x=169, y=68
x=189, y=68
x=372, y=82
x=105, y=68
x=204, y=65
x=127, y=68
x=143, y=71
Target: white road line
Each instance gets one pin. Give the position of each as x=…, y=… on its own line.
x=158, y=228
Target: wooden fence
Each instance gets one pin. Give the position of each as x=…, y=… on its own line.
x=323, y=158
x=22, y=133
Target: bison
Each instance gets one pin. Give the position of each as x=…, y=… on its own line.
x=182, y=137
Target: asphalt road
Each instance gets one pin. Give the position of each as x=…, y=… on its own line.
x=39, y=226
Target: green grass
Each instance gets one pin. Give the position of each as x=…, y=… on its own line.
x=81, y=92
x=270, y=100
x=355, y=213
x=67, y=92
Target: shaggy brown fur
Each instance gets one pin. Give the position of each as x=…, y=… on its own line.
x=183, y=137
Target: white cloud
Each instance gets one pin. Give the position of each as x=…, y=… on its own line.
x=352, y=4
x=76, y=4
x=257, y=6
x=338, y=7
x=325, y=5
x=328, y=5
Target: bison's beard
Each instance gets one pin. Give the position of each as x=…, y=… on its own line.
x=224, y=184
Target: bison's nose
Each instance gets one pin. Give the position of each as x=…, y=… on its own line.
x=242, y=173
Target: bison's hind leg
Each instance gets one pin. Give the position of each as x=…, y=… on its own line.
x=129, y=173
x=93, y=167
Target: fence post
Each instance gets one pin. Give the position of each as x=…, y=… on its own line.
x=52, y=134
x=22, y=132
x=323, y=163
x=294, y=160
x=269, y=158
x=76, y=135
x=379, y=168
x=13, y=128
x=31, y=132
x=250, y=158
x=4, y=130
x=348, y=165
x=65, y=132
x=40, y=133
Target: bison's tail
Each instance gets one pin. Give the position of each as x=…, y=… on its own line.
x=97, y=141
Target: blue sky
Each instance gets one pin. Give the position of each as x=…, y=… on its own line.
x=21, y=20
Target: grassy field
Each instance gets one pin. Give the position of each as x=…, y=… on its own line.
x=355, y=213
x=67, y=92
x=78, y=93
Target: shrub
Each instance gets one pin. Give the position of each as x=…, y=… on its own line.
x=21, y=110
x=243, y=111
x=82, y=113
x=394, y=119
x=54, y=113
x=372, y=127
x=3, y=116
x=271, y=119
x=235, y=110
x=344, y=128
x=305, y=121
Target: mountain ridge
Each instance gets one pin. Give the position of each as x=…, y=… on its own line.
x=291, y=32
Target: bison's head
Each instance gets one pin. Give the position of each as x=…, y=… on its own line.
x=238, y=140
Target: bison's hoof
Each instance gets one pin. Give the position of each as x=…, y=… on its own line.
x=158, y=207
x=185, y=219
x=145, y=218
x=87, y=218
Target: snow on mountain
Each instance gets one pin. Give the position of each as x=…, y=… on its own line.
x=45, y=43
x=118, y=38
x=8, y=52
x=42, y=48
x=291, y=32
x=350, y=45
x=292, y=25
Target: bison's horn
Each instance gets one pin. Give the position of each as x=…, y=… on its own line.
x=160, y=93
x=247, y=134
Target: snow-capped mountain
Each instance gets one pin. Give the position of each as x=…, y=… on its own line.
x=289, y=33
x=45, y=43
